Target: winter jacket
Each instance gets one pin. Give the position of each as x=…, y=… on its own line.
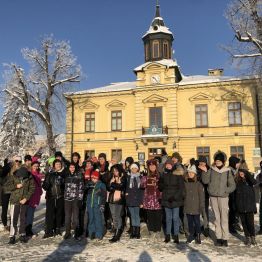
x=7, y=174
x=245, y=194
x=35, y=198
x=54, y=184
x=97, y=195
x=74, y=186
x=194, y=201
x=105, y=175
x=24, y=177
x=220, y=181
x=152, y=195
x=134, y=193
x=172, y=186
x=259, y=181
x=117, y=188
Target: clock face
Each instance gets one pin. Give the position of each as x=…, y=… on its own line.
x=155, y=79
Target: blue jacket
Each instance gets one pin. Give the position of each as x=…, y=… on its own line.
x=97, y=195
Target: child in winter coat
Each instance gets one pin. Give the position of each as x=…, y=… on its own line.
x=96, y=200
x=116, y=199
x=220, y=184
x=152, y=198
x=134, y=199
x=246, y=204
x=193, y=204
x=35, y=198
x=21, y=185
x=171, y=185
x=74, y=185
x=54, y=185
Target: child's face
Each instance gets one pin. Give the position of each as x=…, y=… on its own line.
x=152, y=168
x=134, y=170
x=94, y=180
x=219, y=163
x=241, y=174
x=58, y=166
x=88, y=165
x=35, y=167
x=191, y=175
x=168, y=166
x=116, y=173
x=72, y=169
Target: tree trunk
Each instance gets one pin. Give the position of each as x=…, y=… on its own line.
x=50, y=140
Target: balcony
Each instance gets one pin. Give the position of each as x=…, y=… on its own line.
x=154, y=133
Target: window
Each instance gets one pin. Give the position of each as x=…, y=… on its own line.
x=155, y=116
x=153, y=152
x=90, y=122
x=234, y=113
x=117, y=154
x=147, y=51
x=237, y=151
x=166, y=50
x=204, y=151
x=201, y=115
x=155, y=49
x=89, y=154
x=116, y=120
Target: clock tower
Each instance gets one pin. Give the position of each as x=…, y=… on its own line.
x=158, y=40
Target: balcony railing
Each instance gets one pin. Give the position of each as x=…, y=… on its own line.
x=155, y=130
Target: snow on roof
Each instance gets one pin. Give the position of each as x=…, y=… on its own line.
x=158, y=29
x=202, y=79
x=165, y=62
x=113, y=87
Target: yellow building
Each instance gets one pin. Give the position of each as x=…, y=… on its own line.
x=195, y=115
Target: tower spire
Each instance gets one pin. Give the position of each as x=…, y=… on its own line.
x=157, y=9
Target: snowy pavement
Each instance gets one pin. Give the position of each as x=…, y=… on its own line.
x=143, y=250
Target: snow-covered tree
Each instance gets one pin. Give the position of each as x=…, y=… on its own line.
x=17, y=127
x=53, y=69
x=245, y=17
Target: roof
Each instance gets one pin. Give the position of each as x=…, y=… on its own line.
x=157, y=26
x=113, y=87
x=165, y=62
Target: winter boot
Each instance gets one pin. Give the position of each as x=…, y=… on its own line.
x=176, y=239
x=190, y=239
x=198, y=239
x=48, y=235
x=67, y=235
x=11, y=241
x=224, y=243
x=206, y=232
x=167, y=238
x=133, y=233
x=253, y=241
x=23, y=239
x=116, y=236
x=137, y=233
x=219, y=243
x=248, y=241
x=58, y=232
x=28, y=230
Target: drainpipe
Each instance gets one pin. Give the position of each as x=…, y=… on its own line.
x=258, y=121
x=72, y=123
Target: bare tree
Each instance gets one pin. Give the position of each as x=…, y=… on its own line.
x=53, y=69
x=245, y=17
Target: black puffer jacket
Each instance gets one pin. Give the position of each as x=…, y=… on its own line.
x=173, y=189
x=120, y=187
x=54, y=184
x=245, y=194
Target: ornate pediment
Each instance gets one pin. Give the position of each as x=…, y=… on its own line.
x=232, y=95
x=155, y=99
x=115, y=103
x=200, y=97
x=88, y=105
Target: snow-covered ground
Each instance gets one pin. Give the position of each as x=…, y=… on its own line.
x=144, y=250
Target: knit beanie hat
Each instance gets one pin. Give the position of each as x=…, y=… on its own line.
x=102, y=155
x=58, y=154
x=219, y=155
x=95, y=174
x=134, y=165
x=233, y=161
x=202, y=159
x=192, y=169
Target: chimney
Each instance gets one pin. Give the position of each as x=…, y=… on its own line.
x=216, y=72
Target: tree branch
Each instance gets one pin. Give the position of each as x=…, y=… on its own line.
x=70, y=79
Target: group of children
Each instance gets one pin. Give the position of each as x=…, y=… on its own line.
x=94, y=196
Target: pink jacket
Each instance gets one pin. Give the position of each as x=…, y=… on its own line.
x=35, y=198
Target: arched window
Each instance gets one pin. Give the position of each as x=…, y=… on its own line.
x=147, y=51
x=166, y=50
x=155, y=49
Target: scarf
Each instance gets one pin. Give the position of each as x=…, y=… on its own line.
x=134, y=180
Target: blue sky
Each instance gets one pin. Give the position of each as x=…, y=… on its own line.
x=105, y=35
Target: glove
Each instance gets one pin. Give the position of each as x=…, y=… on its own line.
x=102, y=208
x=171, y=199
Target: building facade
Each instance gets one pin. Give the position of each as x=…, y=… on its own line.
x=164, y=109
